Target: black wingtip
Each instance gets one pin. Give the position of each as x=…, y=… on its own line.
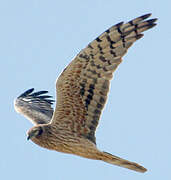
x=40, y=95
x=151, y=21
x=26, y=93
x=151, y=25
x=145, y=16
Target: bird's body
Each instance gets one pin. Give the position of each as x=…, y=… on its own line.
x=81, y=95
x=63, y=140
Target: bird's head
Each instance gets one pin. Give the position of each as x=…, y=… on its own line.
x=41, y=135
x=35, y=132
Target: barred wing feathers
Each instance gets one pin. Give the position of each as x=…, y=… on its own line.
x=83, y=86
x=35, y=106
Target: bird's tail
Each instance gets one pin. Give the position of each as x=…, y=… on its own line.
x=109, y=158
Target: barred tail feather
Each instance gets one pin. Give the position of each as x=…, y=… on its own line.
x=109, y=158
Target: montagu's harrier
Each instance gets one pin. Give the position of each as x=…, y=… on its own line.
x=82, y=90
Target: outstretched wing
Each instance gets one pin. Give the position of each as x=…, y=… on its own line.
x=83, y=86
x=35, y=106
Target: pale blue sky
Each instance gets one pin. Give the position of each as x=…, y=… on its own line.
x=38, y=39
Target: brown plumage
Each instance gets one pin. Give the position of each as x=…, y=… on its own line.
x=81, y=95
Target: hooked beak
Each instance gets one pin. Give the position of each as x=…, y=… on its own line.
x=28, y=137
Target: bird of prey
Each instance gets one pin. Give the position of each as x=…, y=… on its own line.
x=82, y=90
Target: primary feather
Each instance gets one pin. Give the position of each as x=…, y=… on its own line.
x=37, y=106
